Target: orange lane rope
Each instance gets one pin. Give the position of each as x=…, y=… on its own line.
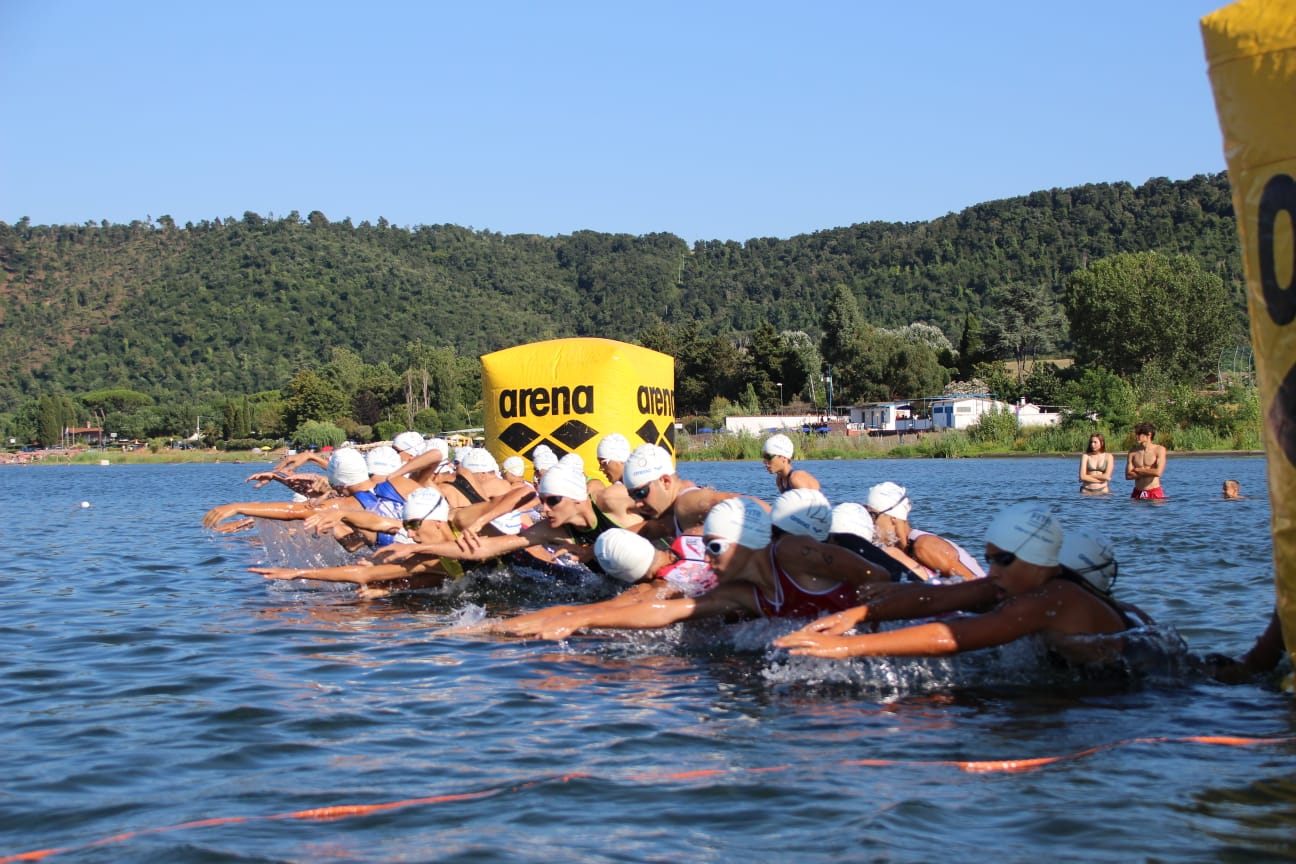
x=346, y=811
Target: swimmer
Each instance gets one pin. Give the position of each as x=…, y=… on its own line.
x=652, y=573
x=570, y=520
x=1096, y=466
x=759, y=575
x=424, y=521
x=613, y=451
x=1026, y=591
x=1145, y=464
x=1233, y=490
x=669, y=504
x=929, y=555
x=777, y=455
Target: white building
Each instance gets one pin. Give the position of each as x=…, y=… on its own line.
x=1034, y=416
x=887, y=417
x=759, y=424
x=960, y=412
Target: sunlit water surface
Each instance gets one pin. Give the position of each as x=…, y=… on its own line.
x=160, y=703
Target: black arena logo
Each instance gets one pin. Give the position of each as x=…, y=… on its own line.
x=543, y=401
x=656, y=400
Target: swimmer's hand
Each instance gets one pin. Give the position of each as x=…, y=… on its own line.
x=395, y=553
x=833, y=625
x=323, y=521
x=815, y=644
x=217, y=515
x=235, y=527
x=280, y=572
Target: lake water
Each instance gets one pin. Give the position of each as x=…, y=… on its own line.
x=160, y=703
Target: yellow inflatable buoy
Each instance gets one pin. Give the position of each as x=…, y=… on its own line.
x=1251, y=51
x=569, y=393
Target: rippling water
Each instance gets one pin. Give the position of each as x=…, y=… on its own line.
x=162, y=704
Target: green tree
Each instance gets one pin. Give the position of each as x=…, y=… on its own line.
x=311, y=397
x=1023, y=321
x=1133, y=310
x=313, y=433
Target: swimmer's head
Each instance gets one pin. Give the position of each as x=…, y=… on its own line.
x=1029, y=531
x=347, y=467
x=382, y=460
x=889, y=499
x=574, y=461
x=564, y=481
x=852, y=518
x=478, y=460
x=805, y=512
x=514, y=466
x=425, y=503
x=624, y=555
x=614, y=448
x=439, y=445
x=738, y=520
x=409, y=442
x=1089, y=555
x=647, y=463
x=542, y=458
x=777, y=445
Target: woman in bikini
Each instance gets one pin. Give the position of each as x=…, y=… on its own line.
x=1096, y=466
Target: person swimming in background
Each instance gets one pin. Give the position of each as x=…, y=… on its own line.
x=1096, y=466
x=1027, y=592
x=1233, y=490
x=777, y=455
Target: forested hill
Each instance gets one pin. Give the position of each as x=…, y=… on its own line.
x=238, y=305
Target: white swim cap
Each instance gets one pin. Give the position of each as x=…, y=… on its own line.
x=347, y=467
x=478, y=460
x=460, y=453
x=515, y=466
x=614, y=448
x=741, y=520
x=1028, y=530
x=805, y=512
x=852, y=518
x=778, y=445
x=439, y=445
x=563, y=480
x=409, y=442
x=646, y=464
x=891, y=499
x=1089, y=555
x=382, y=460
x=624, y=554
x=427, y=503
x=574, y=462
x=544, y=459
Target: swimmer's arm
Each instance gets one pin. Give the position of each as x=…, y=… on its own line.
x=935, y=639
x=474, y=517
x=358, y=574
x=278, y=510
x=728, y=601
x=363, y=520
x=939, y=554
x=428, y=459
x=805, y=556
x=896, y=602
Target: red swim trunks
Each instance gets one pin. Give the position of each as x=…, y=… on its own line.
x=1155, y=493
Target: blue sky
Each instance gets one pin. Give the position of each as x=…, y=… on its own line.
x=715, y=120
